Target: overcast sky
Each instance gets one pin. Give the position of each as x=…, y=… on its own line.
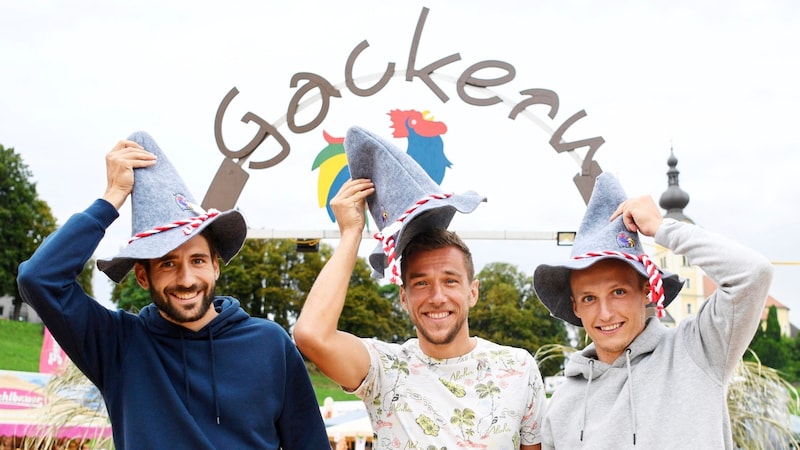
x=715, y=81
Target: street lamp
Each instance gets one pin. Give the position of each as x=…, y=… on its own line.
x=565, y=238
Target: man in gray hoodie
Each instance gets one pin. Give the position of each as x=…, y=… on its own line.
x=640, y=384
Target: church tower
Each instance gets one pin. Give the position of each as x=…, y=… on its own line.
x=674, y=200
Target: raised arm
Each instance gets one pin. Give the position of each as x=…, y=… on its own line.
x=48, y=280
x=728, y=319
x=341, y=356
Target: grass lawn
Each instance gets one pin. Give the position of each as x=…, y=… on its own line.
x=324, y=387
x=20, y=345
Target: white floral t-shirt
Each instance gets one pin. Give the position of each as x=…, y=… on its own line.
x=491, y=398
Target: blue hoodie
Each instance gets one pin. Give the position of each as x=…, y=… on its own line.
x=238, y=383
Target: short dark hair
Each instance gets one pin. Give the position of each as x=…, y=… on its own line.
x=434, y=239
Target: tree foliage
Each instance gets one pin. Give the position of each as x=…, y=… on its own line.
x=129, y=296
x=26, y=220
x=509, y=313
x=85, y=277
x=271, y=279
x=773, y=328
x=771, y=349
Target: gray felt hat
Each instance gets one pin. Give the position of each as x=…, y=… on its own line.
x=598, y=239
x=406, y=199
x=165, y=215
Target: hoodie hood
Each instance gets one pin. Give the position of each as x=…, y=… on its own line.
x=643, y=345
x=175, y=339
x=585, y=364
x=229, y=314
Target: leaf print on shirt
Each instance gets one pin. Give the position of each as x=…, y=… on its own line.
x=401, y=369
x=490, y=390
x=428, y=426
x=464, y=419
x=455, y=388
x=510, y=365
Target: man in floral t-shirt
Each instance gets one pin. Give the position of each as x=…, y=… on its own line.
x=443, y=390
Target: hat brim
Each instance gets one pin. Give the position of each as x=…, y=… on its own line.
x=229, y=229
x=436, y=213
x=551, y=284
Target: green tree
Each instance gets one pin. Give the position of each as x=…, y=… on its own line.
x=26, y=220
x=792, y=369
x=271, y=279
x=366, y=313
x=773, y=329
x=85, y=277
x=509, y=313
x=128, y=295
x=403, y=328
x=767, y=344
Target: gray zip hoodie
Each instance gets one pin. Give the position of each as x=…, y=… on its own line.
x=668, y=390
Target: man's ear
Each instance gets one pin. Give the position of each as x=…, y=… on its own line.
x=141, y=275
x=646, y=289
x=403, y=302
x=574, y=307
x=474, y=290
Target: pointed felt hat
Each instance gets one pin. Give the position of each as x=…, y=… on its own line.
x=406, y=199
x=598, y=239
x=165, y=216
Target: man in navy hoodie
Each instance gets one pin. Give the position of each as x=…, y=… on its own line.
x=192, y=370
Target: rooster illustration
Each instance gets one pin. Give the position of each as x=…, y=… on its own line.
x=424, y=140
x=425, y=146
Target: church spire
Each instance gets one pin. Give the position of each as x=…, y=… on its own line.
x=674, y=199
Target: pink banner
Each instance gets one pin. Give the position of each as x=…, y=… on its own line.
x=52, y=358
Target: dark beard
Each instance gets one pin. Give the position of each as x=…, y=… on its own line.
x=448, y=339
x=181, y=315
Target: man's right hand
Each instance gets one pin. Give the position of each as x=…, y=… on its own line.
x=349, y=205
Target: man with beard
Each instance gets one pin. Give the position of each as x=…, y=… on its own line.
x=192, y=370
x=444, y=389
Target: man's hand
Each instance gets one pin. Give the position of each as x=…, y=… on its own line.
x=120, y=162
x=349, y=205
x=639, y=214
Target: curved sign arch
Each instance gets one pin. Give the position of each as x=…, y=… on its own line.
x=316, y=90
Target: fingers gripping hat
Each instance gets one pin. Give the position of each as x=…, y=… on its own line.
x=406, y=199
x=165, y=216
x=598, y=239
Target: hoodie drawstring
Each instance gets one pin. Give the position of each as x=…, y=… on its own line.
x=186, y=376
x=586, y=397
x=214, y=374
x=630, y=393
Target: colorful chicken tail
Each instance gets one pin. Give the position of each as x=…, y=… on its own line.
x=333, y=171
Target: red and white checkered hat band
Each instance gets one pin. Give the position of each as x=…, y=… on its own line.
x=189, y=225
